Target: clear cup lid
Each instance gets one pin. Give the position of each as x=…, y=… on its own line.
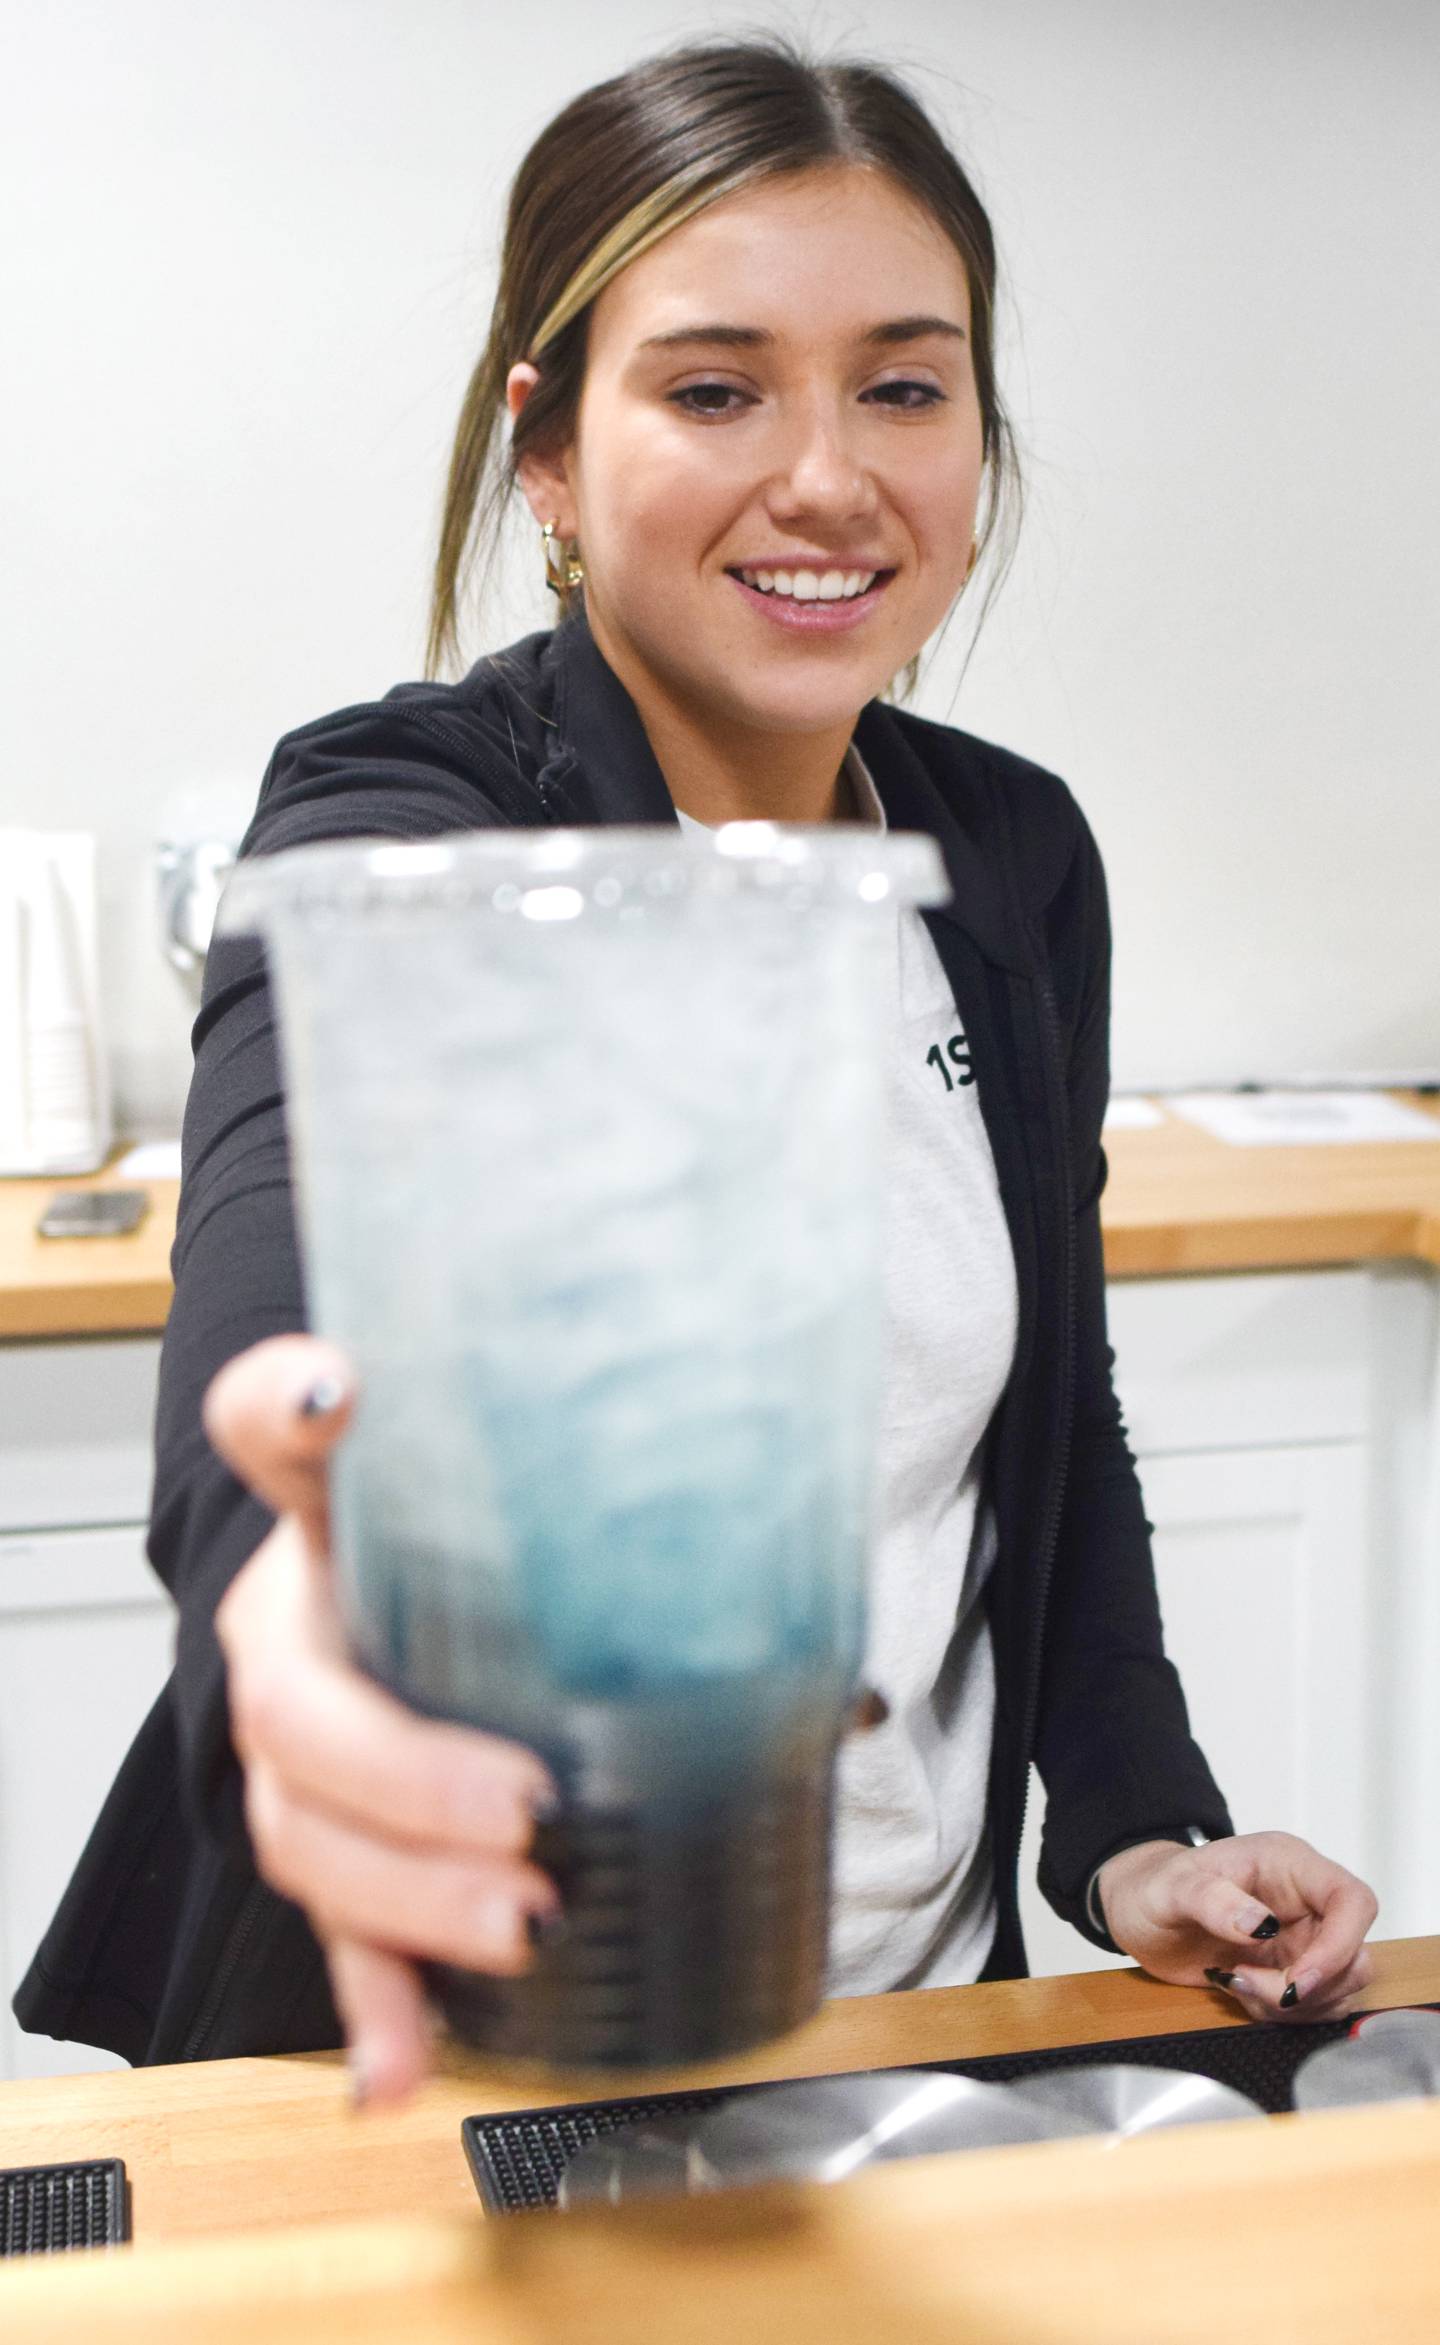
x=550, y=874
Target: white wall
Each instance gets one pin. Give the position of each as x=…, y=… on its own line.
x=244, y=275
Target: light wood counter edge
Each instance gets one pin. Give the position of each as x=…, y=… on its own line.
x=1294, y=1241
x=1317, y=2229
x=1278, y=2229
x=375, y=2266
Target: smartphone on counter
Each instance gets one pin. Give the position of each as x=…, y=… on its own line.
x=93, y=1213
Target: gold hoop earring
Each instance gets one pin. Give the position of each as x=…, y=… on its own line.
x=970, y=565
x=564, y=570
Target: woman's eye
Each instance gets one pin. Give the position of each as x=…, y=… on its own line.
x=906, y=394
x=708, y=398
x=721, y=399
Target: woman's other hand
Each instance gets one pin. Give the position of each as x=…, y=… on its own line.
x=400, y=1837
x=1262, y=1915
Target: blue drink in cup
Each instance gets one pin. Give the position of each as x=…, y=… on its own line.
x=589, y=1137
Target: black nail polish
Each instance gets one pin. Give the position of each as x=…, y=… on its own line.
x=1290, y=1997
x=546, y=1929
x=1221, y=1978
x=1269, y=1928
x=323, y=1398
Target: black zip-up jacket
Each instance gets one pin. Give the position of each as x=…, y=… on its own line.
x=166, y=1945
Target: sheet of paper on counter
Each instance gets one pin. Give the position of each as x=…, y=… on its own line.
x=151, y=1160
x=1132, y=1115
x=1299, y=1119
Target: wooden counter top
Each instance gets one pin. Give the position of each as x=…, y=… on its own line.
x=84, y=1286
x=1318, y=2228
x=1178, y=1200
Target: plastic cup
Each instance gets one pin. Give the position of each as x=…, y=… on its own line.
x=588, y=1131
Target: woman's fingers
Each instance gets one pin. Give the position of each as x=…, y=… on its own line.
x=274, y=1413
x=1344, y=1907
x=337, y=1740
x=1337, y=1994
x=399, y=1835
x=1266, y=1916
x=1192, y=1890
x=474, y=1910
x=343, y=1743
x=387, y=2028
x=1305, y=1954
x=1324, y=1913
x=1262, y=1991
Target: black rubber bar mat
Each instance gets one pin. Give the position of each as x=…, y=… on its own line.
x=517, y=2158
x=44, y=2209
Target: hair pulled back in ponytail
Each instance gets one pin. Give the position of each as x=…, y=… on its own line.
x=621, y=166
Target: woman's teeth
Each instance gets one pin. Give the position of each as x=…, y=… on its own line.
x=811, y=586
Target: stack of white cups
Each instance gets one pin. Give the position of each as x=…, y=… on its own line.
x=54, y=1092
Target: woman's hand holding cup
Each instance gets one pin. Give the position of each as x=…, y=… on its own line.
x=401, y=1837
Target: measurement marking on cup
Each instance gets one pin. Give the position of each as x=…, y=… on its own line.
x=957, y=1050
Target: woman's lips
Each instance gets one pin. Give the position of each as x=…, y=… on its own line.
x=814, y=618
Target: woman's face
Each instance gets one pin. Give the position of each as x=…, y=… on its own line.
x=779, y=408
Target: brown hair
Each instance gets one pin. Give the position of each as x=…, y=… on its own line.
x=622, y=165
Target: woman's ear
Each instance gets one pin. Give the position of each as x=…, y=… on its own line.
x=544, y=479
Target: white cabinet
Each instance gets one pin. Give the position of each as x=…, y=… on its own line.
x=76, y=1421
x=85, y=1630
x=1250, y=1401
x=1256, y=1554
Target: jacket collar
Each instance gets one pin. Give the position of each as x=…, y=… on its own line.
x=600, y=727
x=981, y=899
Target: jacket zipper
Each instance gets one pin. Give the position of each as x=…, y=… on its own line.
x=242, y=1930
x=1055, y=1497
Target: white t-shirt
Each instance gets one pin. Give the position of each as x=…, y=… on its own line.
x=914, y=1898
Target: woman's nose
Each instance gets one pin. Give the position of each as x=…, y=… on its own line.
x=822, y=475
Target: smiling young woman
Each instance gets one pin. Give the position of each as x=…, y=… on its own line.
x=744, y=340
x=615, y=178
x=774, y=477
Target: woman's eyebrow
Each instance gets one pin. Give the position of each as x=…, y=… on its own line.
x=916, y=330
x=892, y=332
x=723, y=337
